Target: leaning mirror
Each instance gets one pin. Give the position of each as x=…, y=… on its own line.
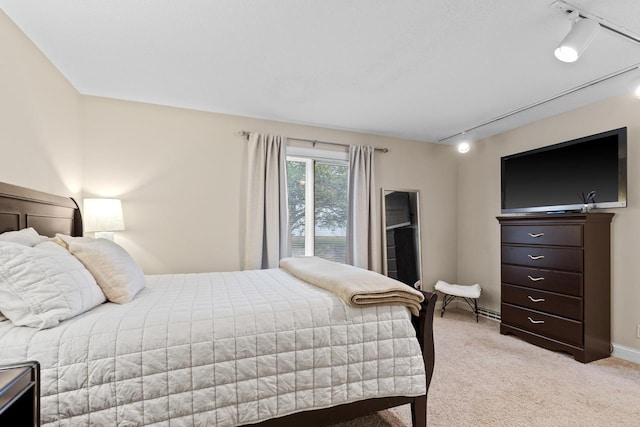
x=401, y=236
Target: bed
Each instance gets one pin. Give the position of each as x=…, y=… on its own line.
x=229, y=348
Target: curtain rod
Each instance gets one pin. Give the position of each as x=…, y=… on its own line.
x=313, y=141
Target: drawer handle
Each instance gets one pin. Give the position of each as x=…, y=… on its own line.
x=535, y=299
x=534, y=235
x=535, y=279
x=535, y=321
x=536, y=257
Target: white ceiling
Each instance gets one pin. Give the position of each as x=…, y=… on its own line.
x=415, y=69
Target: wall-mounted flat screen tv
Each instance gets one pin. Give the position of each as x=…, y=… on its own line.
x=557, y=177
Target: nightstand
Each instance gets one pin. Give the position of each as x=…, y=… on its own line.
x=20, y=394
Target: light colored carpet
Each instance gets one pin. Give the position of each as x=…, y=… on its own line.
x=482, y=378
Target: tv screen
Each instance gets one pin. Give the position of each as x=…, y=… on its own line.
x=558, y=177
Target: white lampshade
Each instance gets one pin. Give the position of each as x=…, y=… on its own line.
x=102, y=215
x=577, y=40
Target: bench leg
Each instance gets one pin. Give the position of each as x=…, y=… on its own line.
x=448, y=298
x=473, y=306
x=445, y=301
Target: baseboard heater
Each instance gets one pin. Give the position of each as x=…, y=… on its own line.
x=482, y=312
x=489, y=314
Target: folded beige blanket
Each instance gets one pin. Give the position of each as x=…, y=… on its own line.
x=356, y=286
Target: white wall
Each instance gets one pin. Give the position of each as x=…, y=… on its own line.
x=39, y=128
x=479, y=204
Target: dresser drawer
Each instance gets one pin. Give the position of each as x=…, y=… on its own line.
x=550, y=235
x=565, y=330
x=548, y=302
x=569, y=259
x=562, y=282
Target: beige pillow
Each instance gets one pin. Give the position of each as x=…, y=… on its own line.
x=44, y=285
x=117, y=274
x=64, y=240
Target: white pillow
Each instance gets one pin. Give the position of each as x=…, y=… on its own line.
x=44, y=285
x=110, y=264
x=26, y=236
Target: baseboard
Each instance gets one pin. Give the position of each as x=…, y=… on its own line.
x=626, y=353
x=619, y=351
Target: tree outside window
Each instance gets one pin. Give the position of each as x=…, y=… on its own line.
x=318, y=198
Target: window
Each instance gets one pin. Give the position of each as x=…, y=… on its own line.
x=318, y=186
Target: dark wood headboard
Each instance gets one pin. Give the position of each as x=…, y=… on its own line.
x=49, y=214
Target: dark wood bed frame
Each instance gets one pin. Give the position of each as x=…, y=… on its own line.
x=50, y=214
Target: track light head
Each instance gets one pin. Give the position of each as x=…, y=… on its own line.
x=463, y=145
x=635, y=86
x=582, y=33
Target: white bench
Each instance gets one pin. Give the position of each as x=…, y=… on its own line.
x=469, y=293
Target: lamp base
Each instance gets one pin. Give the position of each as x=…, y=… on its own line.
x=104, y=235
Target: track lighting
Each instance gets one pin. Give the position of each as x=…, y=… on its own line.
x=582, y=33
x=584, y=29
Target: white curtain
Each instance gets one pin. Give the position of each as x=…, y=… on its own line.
x=267, y=219
x=363, y=236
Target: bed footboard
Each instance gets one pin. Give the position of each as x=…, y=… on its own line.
x=424, y=332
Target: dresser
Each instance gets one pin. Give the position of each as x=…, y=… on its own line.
x=556, y=274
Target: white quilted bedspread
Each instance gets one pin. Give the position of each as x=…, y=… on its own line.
x=217, y=349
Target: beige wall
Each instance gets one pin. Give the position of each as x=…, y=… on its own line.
x=479, y=204
x=39, y=128
x=180, y=174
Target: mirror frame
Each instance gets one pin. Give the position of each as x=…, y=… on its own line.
x=417, y=234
